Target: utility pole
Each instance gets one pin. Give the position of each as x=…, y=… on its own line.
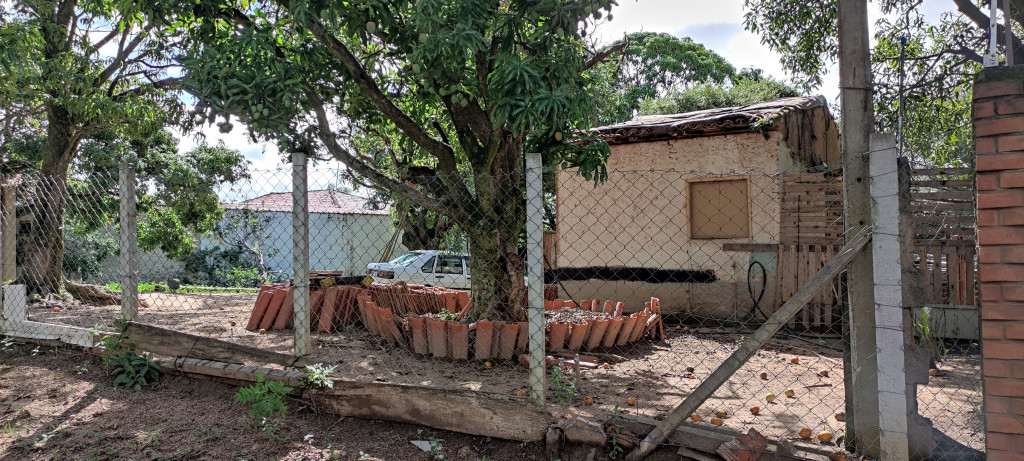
x=857, y=117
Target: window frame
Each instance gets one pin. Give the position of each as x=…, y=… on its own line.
x=690, y=205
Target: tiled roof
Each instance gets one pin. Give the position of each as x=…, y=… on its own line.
x=320, y=201
x=702, y=122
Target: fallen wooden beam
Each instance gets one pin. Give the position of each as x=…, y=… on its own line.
x=162, y=341
x=749, y=347
x=469, y=412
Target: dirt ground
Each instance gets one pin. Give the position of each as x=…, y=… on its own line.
x=654, y=376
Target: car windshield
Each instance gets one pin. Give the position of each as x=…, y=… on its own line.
x=405, y=259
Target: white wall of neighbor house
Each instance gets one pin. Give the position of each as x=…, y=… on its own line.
x=336, y=242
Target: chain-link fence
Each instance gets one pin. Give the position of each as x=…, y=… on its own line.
x=652, y=279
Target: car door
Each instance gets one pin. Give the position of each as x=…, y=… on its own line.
x=450, y=272
x=423, y=273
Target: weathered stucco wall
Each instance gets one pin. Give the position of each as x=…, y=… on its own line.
x=639, y=218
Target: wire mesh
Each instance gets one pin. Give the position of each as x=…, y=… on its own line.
x=651, y=280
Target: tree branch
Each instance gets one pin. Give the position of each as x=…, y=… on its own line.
x=600, y=57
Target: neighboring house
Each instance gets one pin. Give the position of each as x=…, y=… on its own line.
x=691, y=202
x=345, y=232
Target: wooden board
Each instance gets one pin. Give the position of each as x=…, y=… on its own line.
x=751, y=247
x=162, y=341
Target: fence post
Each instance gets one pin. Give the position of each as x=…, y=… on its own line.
x=300, y=252
x=10, y=232
x=128, y=244
x=535, y=273
x=886, y=252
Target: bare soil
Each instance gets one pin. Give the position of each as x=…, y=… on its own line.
x=654, y=375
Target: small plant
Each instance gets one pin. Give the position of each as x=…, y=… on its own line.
x=616, y=431
x=7, y=344
x=267, y=403
x=318, y=376
x=436, y=451
x=928, y=339
x=445, y=314
x=132, y=371
x=564, y=390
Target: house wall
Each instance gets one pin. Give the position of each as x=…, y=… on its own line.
x=336, y=242
x=999, y=144
x=638, y=218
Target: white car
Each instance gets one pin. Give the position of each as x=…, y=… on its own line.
x=432, y=268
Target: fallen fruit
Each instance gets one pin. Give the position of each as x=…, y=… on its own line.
x=770, y=397
x=840, y=416
x=721, y=413
x=696, y=417
x=679, y=327
x=790, y=393
x=689, y=369
x=716, y=421
x=56, y=309
x=607, y=366
x=823, y=373
x=234, y=323
x=263, y=331
x=488, y=364
x=588, y=400
x=805, y=433
x=795, y=360
x=824, y=436
x=630, y=401
x=522, y=394
x=755, y=409
x=933, y=372
x=763, y=375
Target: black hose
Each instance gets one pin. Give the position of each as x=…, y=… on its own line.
x=756, y=308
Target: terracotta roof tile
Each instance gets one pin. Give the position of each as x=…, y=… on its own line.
x=320, y=201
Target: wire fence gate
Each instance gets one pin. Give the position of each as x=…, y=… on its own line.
x=615, y=300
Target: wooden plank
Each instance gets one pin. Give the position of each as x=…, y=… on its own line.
x=748, y=348
x=173, y=343
x=942, y=183
x=47, y=331
x=942, y=171
x=953, y=195
x=751, y=247
x=940, y=207
x=965, y=218
x=814, y=177
x=805, y=275
x=807, y=208
x=938, y=243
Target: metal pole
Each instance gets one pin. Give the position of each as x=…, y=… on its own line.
x=535, y=274
x=128, y=244
x=300, y=253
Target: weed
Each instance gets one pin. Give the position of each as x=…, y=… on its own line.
x=133, y=371
x=266, y=403
x=318, y=376
x=83, y=368
x=616, y=432
x=445, y=314
x=7, y=344
x=928, y=339
x=436, y=451
x=206, y=434
x=564, y=390
x=36, y=351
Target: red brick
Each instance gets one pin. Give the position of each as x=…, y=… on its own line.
x=1006, y=106
x=990, y=255
x=991, y=162
x=1004, y=442
x=1004, y=456
x=1004, y=349
x=995, y=368
x=1000, y=199
x=985, y=145
x=988, y=218
x=1017, y=371
x=1011, y=217
x=1002, y=311
x=998, y=405
x=1011, y=143
x=1013, y=292
x=1004, y=387
x=992, y=330
x=984, y=109
x=994, y=126
x=991, y=292
x=987, y=181
x=1011, y=179
x=1000, y=88
x=1001, y=235
x=1012, y=254
x=1014, y=331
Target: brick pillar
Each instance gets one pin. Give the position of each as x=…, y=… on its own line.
x=999, y=144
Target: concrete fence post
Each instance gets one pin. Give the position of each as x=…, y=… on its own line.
x=128, y=243
x=300, y=253
x=535, y=274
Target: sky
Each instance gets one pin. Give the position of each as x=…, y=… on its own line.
x=717, y=24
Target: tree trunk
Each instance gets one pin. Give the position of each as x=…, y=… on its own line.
x=497, y=270
x=44, y=250
x=419, y=233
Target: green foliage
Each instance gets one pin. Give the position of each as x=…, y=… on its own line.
x=564, y=390
x=649, y=67
x=445, y=314
x=319, y=376
x=132, y=371
x=750, y=87
x=265, y=399
x=86, y=251
x=926, y=336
